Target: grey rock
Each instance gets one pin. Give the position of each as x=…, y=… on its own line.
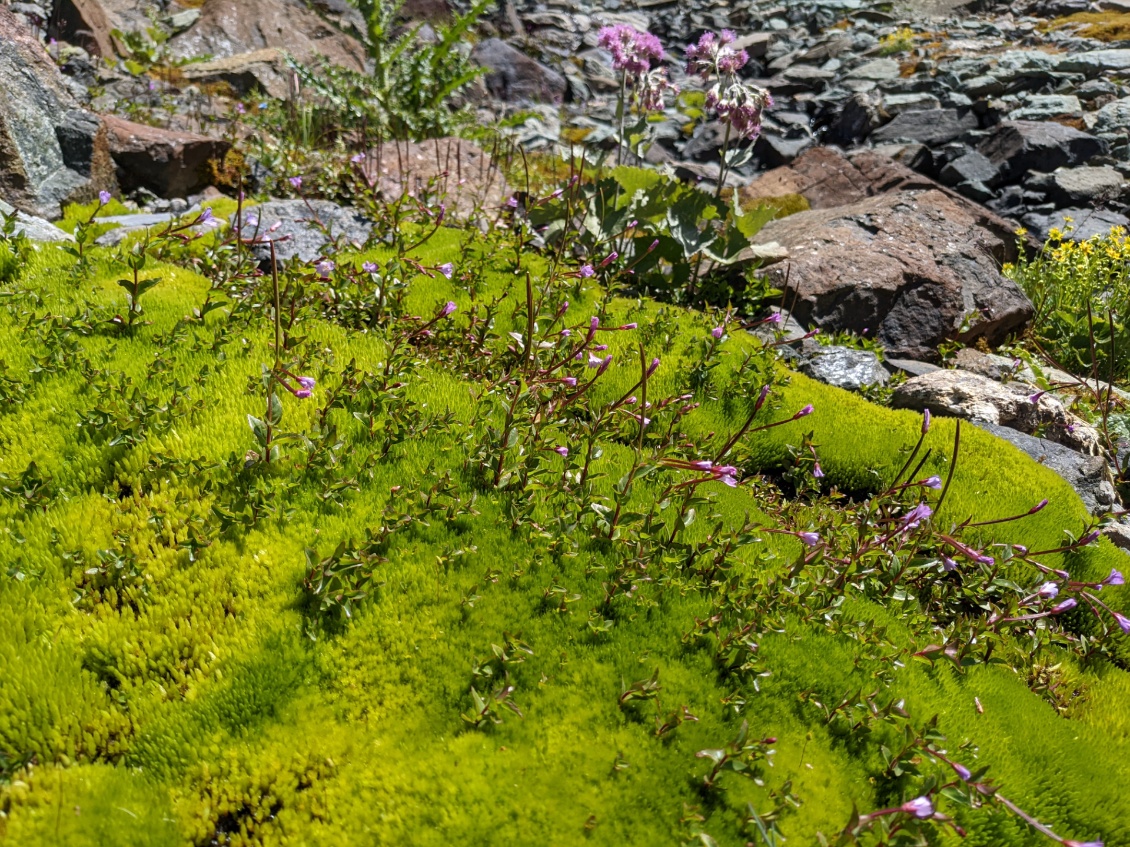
x=512, y=76
x=299, y=236
x=896, y=104
x=1113, y=118
x=983, y=86
x=990, y=365
x=1088, y=475
x=1095, y=62
x=51, y=151
x=962, y=394
x=1044, y=107
x=844, y=367
x=972, y=167
x=877, y=69
x=911, y=367
x=1085, y=223
x=1017, y=147
x=1084, y=185
x=929, y=126
x=35, y=228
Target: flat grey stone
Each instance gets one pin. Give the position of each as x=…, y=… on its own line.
x=844, y=367
x=298, y=234
x=37, y=229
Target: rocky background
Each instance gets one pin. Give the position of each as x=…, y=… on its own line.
x=921, y=136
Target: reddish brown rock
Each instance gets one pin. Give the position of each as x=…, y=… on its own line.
x=82, y=22
x=231, y=27
x=450, y=170
x=827, y=178
x=912, y=268
x=168, y=163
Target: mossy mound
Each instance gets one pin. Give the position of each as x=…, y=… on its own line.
x=174, y=670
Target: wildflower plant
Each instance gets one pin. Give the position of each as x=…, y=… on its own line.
x=632, y=54
x=737, y=104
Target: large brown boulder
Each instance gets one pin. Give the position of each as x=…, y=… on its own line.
x=911, y=268
x=826, y=178
x=51, y=150
x=231, y=27
x=454, y=171
x=168, y=163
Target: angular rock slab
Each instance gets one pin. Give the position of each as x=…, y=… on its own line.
x=1088, y=475
x=246, y=72
x=971, y=396
x=230, y=27
x=298, y=235
x=514, y=77
x=51, y=151
x=912, y=268
x=168, y=163
x=1017, y=147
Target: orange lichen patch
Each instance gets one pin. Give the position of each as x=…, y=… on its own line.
x=1102, y=26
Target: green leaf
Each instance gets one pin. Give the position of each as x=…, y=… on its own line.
x=259, y=429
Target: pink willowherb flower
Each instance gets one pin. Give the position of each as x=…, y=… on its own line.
x=561, y=451
x=1122, y=621
x=447, y=269
x=1066, y=606
x=295, y=181
x=809, y=538
x=307, y=382
x=915, y=516
x=448, y=308
x=817, y=471
x=718, y=331
x=632, y=51
x=324, y=268
x=586, y=271
x=104, y=197
x=934, y=482
x=920, y=807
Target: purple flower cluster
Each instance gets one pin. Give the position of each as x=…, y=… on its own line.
x=651, y=88
x=632, y=51
x=740, y=105
x=715, y=55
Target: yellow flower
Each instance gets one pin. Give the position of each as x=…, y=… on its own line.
x=1055, y=234
x=1021, y=232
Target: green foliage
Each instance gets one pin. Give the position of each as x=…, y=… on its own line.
x=414, y=80
x=664, y=231
x=1081, y=292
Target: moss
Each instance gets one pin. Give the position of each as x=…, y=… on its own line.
x=173, y=680
x=1102, y=26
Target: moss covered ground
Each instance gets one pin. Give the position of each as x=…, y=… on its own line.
x=176, y=663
